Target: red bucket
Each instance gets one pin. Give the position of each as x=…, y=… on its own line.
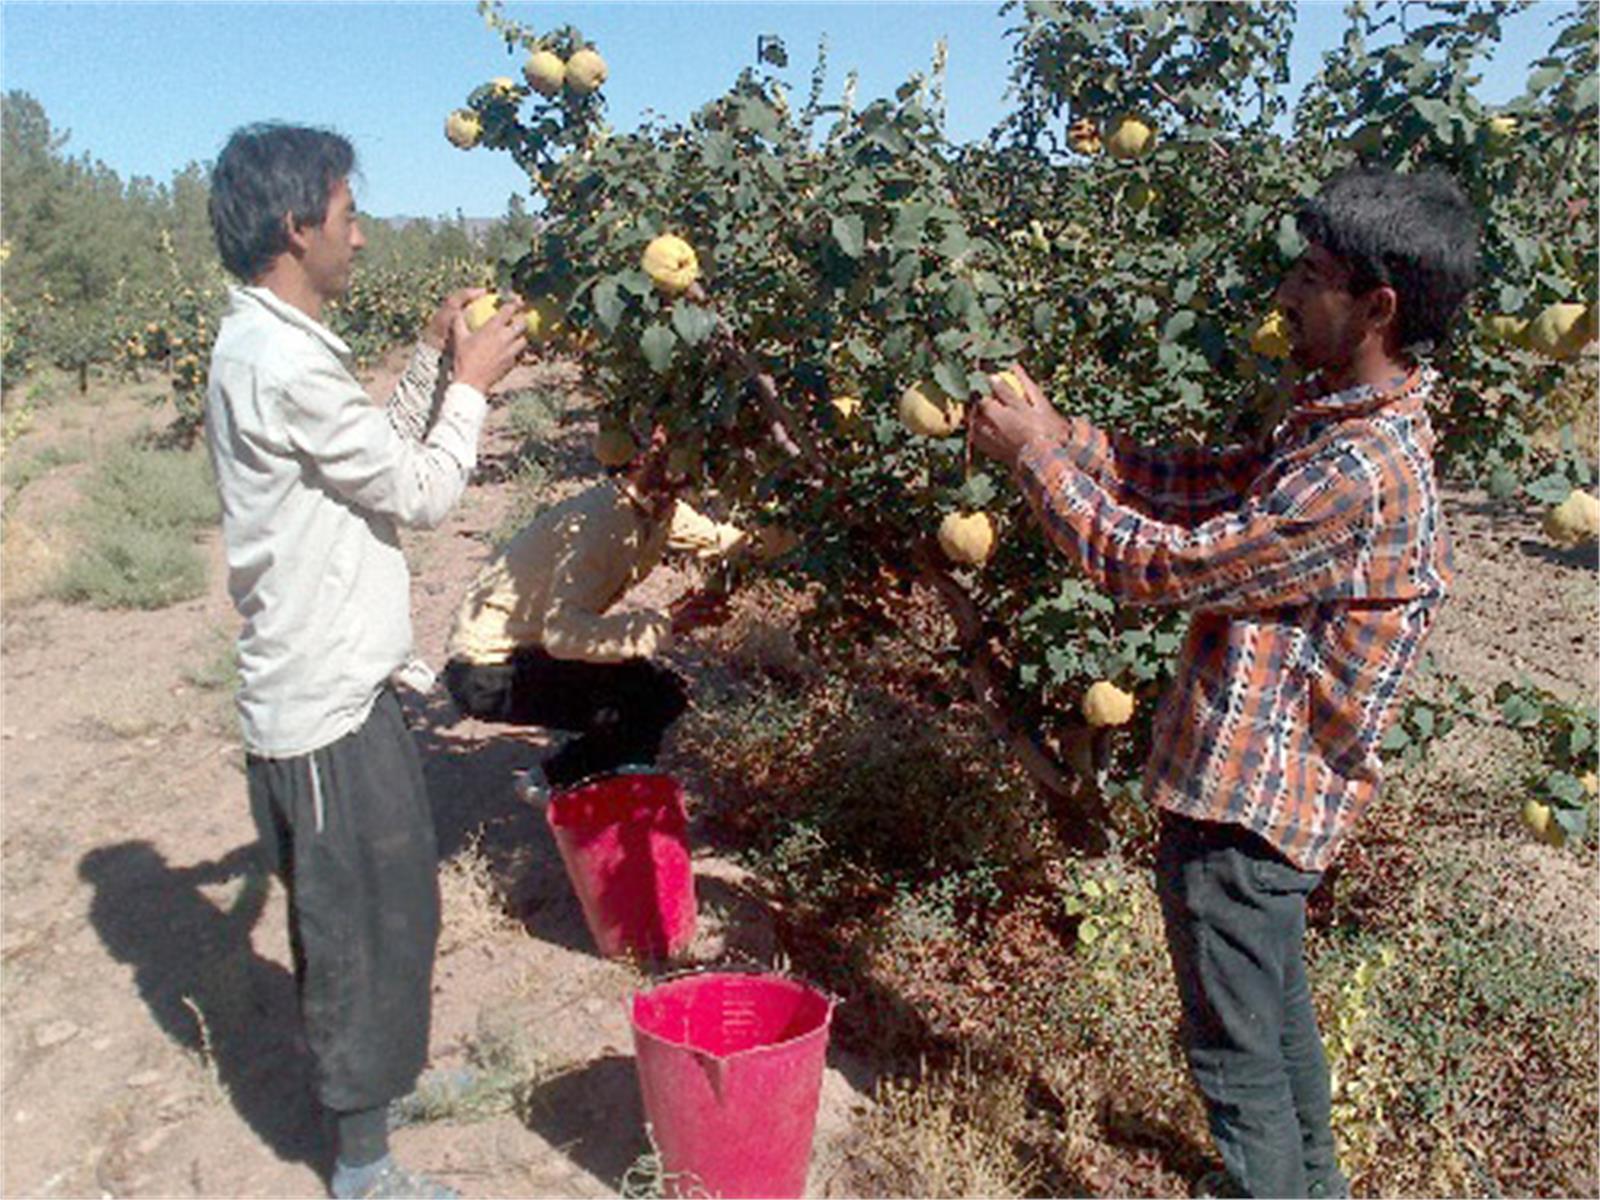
x=623, y=841
x=730, y=1065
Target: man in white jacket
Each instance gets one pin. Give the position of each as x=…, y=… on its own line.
x=315, y=480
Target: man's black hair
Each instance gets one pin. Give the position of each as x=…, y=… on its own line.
x=1414, y=233
x=265, y=172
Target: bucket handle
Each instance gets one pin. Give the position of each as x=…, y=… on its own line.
x=743, y=964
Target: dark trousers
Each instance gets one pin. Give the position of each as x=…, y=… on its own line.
x=349, y=831
x=1235, y=913
x=620, y=710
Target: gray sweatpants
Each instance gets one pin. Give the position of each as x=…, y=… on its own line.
x=349, y=831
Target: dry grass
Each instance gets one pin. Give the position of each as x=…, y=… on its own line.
x=946, y=1133
x=473, y=909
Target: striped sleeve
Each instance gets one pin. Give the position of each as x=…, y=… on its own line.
x=1178, y=484
x=1306, y=539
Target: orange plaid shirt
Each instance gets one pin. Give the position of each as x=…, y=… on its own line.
x=1315, y=563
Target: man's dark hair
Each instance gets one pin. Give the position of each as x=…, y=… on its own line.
x=1414, y=233
x=264, y=172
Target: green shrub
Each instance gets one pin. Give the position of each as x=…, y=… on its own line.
x=127, y=565
x=136, y=527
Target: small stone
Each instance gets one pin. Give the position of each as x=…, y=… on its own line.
x=53, y=1033
x=144, y=1079
x=101, y=1044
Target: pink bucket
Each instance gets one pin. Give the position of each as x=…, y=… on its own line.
x=622, y=839
x=730, y=1065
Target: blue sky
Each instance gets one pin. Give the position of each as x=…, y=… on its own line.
x=149, y=87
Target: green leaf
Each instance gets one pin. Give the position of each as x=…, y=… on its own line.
x=1396, y=739
x=608, y=303
x=850, y=232
x=1290, y=244
x=1550, y=489
x=693, y=323
x=1564, y=788
x=909, y=221
x=657, y=344
x=1178, y=324
x=952, y=378
x=977, y=492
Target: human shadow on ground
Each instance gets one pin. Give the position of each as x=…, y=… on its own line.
x=594, y=1115
x=470, y=770
x=206, y=988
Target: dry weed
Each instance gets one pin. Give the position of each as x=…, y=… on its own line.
x=473, y=907
x=949, y=1133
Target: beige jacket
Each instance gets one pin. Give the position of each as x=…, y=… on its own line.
x=554, y=584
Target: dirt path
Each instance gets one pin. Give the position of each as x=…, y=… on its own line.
x=149, y=1044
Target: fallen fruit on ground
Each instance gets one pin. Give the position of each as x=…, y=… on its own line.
x=1575, y=520
x=1107, y=704
x=671, y=262
x=586, y=71
x=1539, y=818
x=463, y=128
x=967, y=538
x=1271, y=337
x=925, y=409
x=545, y=72
x=1130, y=139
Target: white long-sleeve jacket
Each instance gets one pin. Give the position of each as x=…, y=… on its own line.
x=315, y=481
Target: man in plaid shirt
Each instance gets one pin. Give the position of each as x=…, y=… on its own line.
x=1315, y=564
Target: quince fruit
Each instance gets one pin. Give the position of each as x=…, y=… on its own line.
x=545, y=72
x=774, y=541
x=926, y=410
x=1574, y=521
x=463, y=127
x=1107, y=704
x=1132, y=138
x=504, y=87
x=480, y=310
x=967, y=538
x=1538, y=817
x=586, y=71
x=671, y=262
x=543, y=319
x=1271, y=337
x=614, y=446
x=1504, y=328
x=1500, y=130
x=1084, y=137
x=1560, y=330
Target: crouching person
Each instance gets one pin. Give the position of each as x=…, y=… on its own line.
x=538, y=639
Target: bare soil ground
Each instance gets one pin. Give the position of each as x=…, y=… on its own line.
x=149, y=1044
